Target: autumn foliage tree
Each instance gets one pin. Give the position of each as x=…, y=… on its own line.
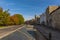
x=1, y=16
x=6, y=19
x=15, y=20
x=20, y=18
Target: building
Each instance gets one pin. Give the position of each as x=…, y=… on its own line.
x=37, y=19
x=43, y=18
x=55, y=18
x=48, y=11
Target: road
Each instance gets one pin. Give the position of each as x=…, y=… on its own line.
x=35, y=33
x=55, y=34
x=31, y=30
x=15, y=33
x=5, y=31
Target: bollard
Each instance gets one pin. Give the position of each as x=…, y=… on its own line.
x=50, y=36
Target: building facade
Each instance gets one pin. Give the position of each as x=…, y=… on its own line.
x=37, y=19
x=43, y=18
x=48, y=11
x=55, y=18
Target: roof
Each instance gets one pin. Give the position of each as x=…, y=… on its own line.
x=55, y=10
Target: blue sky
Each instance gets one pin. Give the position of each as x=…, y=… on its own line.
x=28, y=8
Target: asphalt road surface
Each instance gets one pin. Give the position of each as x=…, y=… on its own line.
x=15, y=33
x=35, y=33
x=7, y=30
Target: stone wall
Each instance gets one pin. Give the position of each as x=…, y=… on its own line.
x=56, y=19
x=48, y=11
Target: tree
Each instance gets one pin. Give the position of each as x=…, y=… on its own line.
x=1, y=16
x=15, y=20
x=21, y=18
x=1, y=10
x=6, y=17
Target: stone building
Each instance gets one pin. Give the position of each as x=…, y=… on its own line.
x=48, y=11
x=55, y=18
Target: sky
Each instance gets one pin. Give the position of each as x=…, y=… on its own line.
x=28, y=8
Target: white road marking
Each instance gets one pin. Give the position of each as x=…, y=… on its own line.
x=10, y=33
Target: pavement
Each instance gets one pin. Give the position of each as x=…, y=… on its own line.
x=31, y=30
x=39, y=36
x=15, y=33
x=7, y=30
x=35, y=33
x=55, y=35
x=20, y=34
